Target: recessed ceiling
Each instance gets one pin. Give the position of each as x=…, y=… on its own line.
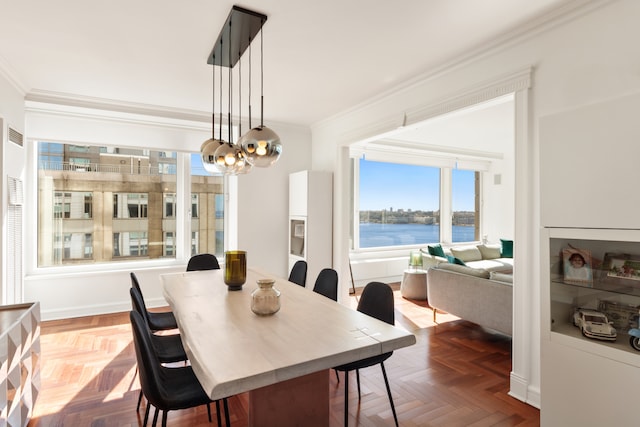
x=320, y=57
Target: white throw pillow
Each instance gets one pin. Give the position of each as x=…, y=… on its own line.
x=489, y=251
x=467, y=253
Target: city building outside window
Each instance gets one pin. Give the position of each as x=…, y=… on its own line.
x=101, y=204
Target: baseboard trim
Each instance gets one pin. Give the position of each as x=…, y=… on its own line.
x=96, y=309
x=520, y=389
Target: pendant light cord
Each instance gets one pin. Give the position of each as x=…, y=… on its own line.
x=213, y=95
x=230, y=84
x=261, y=74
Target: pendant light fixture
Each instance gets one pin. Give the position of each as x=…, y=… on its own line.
x=263, y=146
x=209, y=147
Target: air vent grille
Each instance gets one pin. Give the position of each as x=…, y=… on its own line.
x=15, y=137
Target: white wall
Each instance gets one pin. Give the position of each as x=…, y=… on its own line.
x=12, y=164
x=263, y=205
x=591, y=55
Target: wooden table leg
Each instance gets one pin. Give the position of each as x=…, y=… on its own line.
x=302, y=401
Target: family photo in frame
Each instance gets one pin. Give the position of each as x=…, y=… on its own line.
x=577, y=266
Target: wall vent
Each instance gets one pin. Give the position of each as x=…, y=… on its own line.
x=15, y=137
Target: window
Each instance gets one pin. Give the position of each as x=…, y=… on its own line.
x=169, y=205
x=207, y=210
x=399, y=204
x=465, y=205
x=131, y=196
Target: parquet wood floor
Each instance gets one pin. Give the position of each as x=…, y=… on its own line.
x=456, y=375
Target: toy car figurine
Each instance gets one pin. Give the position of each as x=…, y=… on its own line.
x=594, y=324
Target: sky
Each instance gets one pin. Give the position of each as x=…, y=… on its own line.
x=392, y=185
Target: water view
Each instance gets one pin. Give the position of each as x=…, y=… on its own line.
x=375, y=235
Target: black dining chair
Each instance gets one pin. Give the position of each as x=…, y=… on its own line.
x=169, y=348
x=167, y=389
x=158, y=321
x=327, y=283
x=298, y=274
x=376, y=301
x=203, y=262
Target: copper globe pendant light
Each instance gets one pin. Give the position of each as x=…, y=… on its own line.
x=228, y=156
x=261, y=145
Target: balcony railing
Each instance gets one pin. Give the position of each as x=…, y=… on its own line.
x=129, y=169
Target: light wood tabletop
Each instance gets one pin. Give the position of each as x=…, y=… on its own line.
x=232, y=350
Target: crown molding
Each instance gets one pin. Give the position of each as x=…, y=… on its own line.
x=81, y=101
x=9, y=74
x=553, y=18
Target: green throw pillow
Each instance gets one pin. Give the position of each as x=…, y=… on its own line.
x=454, y=260
x=436, y=250
x=507, y=248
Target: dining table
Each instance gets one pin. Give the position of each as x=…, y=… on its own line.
x=282, y=360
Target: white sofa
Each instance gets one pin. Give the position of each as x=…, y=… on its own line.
x=474, y=283
x=486, y=257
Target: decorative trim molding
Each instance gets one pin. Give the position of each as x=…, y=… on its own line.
x=519, y=389
x=9, y=74
x=522, y=32
x=80, y=101
x=480, y=92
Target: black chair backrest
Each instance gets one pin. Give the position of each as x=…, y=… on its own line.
x=377, y=301
x=138, y=305
x=148, y=363
x=134, y=282
x=203, y=262
x=298, y=273
x=327, y=283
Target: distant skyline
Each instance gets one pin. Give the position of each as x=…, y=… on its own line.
x=399, y=186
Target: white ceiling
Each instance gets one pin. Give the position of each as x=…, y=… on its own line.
x=320, y=57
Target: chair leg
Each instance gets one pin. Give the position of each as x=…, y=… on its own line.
x=346, y=398
x=146, y=415
x=164, y=418
x=226, y=412
x=209, y=411
x=337, y=376
x=139, y=401
x=386, y=382
x=155, y=418
x=218, y=418
x=358, y=378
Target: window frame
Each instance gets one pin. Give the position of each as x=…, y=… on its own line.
x=182, y=244
x=446, y=210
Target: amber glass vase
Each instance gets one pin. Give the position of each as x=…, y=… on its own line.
x=235, y=269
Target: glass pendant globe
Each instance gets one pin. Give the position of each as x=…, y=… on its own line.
x=261, y=146
x=229, y=159
x=207, y=152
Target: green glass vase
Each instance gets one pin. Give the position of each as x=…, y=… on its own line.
x=235, y=269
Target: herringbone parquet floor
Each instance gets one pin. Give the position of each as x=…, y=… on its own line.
x=456, y=375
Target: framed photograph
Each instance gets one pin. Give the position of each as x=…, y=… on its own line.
x=577, y=266
x=622, y=266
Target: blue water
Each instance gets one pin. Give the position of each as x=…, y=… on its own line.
x=376, y=235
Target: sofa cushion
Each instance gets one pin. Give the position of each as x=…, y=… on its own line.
x=501, y=277
x=467, y=253
x=463, y=269
x=499, y=264
x=506, y=248
x=489, y=251
x=435, y=250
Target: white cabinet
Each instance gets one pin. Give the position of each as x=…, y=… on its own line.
x=588, y=378
x=310, y=221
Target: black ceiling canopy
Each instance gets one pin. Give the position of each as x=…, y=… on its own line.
x=236, y=35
